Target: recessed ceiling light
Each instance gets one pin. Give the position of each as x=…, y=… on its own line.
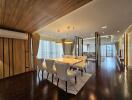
x=118, y=31
x=104, y=27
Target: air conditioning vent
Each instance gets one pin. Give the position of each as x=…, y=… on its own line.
x=13, y=34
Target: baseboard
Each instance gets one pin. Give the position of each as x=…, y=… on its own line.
x=16, y=75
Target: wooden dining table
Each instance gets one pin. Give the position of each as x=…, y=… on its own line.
x=71, y=61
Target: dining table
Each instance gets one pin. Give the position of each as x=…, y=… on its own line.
x=71, y=61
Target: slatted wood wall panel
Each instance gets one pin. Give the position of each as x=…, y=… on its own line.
x=19, y=56
x=10, y=57
x=6, y=58
x=1, y=58
x=15, y=56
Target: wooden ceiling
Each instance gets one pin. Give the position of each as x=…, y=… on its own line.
x=30, y=15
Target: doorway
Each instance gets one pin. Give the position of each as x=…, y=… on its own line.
x=109, y=50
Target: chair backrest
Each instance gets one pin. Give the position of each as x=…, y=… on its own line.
x=62, y=70
x=40, y=62
x=82, y=57
x=85, y=58
x=49, y=64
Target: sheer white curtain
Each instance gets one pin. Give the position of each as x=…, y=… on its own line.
x=49, y=49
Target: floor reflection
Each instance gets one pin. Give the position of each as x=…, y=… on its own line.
x=107, y=83
x=126, y=92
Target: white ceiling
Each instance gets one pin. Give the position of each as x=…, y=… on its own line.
x=116, y=14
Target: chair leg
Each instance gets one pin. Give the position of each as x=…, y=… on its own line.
x=75, y=79
x=57, y=81
x=52, y=77
x=81, y=72
x=74, y=69
x=42, y=74
x=38, y=78
x=85, y=70
x=47, y=75
x=66, y=86
x=38, y=72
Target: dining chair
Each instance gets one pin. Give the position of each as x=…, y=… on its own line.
x=82, y=65
x=41, y=66
x=64, y=73
x=50, y=68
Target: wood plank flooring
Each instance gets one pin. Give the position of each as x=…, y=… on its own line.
x=107, y=83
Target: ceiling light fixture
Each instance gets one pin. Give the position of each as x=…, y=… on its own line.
x=67, y=41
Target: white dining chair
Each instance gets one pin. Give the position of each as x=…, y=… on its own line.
x=64, y=73
x=50, y=68
x=82, y=65
x=41, y=66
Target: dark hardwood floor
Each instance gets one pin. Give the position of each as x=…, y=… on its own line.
x=107, y=83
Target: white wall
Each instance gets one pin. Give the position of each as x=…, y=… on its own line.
x=121, y=45
x=130, y=50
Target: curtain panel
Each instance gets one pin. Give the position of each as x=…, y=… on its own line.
x=35, y=46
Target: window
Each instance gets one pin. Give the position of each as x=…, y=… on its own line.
x=103, y=50
x=49, y=49
x=108, y=50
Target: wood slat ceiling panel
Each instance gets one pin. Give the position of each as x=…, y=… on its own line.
x=30, y=15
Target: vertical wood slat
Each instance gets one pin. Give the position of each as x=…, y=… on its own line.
x=10, y=57
x=1, y=58
x=6, y=58
x=25, y=57
x=29, y=51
